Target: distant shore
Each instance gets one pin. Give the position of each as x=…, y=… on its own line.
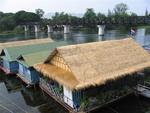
x=11, y=32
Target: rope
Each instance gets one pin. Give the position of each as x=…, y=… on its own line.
x=6, y=108
x=113, y=110
x=13, y=103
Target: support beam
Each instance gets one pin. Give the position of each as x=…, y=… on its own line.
x=66, y=29
x=140, y=33
x=101, y=29
x=36, y=35
x=100, y=37
x=49, y=29
x=49, y=35
x=26, y=28
x=37, y=28
x=66, y=36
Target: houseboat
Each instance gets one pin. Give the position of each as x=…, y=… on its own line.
x=22, y=43
x=85, y=77
x=10, y=54
x=26, y=70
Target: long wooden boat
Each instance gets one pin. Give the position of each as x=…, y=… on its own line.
x=143, y=90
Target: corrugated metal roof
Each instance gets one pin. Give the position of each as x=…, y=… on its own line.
x=33, y=58
x=13, y=52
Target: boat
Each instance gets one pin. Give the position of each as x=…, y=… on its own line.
x=143, y=90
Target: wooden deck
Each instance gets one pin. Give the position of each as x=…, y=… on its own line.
x=58, y=100
x=25, y=80
x=71, y=110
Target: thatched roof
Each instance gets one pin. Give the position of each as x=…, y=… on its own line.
x=96, y=63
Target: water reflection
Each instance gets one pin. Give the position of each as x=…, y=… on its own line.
x=82, y=36
x=100, y=38
x=23, y=100
x=67, y=36
x=19, y=99
x=12, y=84
x=140, y=36
x=131, y=104
x=36, y=35
x=49, y=35
x=26, y=35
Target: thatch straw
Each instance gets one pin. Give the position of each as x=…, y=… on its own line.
x=95, y=63
x=58, y=74
x=25, y=42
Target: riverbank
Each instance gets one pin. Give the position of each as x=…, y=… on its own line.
x=17, y=30
x=11, y=32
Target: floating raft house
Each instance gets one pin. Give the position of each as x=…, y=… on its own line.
x=84, y=76
x=17, y=44
x=26, y=61
x=9, y=55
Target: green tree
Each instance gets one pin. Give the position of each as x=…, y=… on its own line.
x=101, y=18
x=26, y=17
x=110, y=13
x=61, y=18
x=1, y=14
x=7, y=22
x=133, y=14
x=75, y=20
x=90, y=18
x=40, y=12
x=146, y=13
x=121, y=9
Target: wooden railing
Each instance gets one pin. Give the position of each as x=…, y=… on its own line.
x=54, y=91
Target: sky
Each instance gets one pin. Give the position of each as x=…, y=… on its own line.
x=72, y=6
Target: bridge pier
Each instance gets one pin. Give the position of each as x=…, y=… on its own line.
x=101, y=29
x=66, y=29
x=37, y=28
x=100, y=37
x=49, y=29
x=26, y=28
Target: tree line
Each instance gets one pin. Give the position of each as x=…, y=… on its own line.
x=120, y=13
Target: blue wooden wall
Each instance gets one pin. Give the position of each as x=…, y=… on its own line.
x=76, y=95
x=1, y=62
x=12, y=66
x=30, y=74
x=35, y=76
x=6, y=64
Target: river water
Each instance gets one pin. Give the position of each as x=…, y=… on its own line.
x=14, y=96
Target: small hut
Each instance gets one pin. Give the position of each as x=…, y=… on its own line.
x=26, y=70
x=84, y=76
x=10, y=54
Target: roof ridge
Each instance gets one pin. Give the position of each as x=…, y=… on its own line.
x=92, y=43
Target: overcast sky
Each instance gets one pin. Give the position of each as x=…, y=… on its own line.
x=72, y=6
